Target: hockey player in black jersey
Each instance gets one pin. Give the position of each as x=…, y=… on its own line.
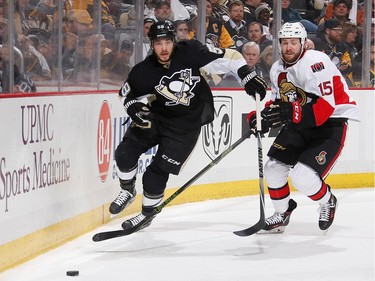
x=179, y=103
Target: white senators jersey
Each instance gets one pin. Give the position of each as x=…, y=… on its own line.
x=314, y=79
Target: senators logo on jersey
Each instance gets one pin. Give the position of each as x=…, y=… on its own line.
x=178, y=88
x=289, y=92
x=321, y=158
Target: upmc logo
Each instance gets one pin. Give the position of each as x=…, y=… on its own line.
x=104, y=141
x=217, y=135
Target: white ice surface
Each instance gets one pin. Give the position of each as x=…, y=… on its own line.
x=194, y=242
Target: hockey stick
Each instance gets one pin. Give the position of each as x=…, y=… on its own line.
x=262, y=222
x=118, y=233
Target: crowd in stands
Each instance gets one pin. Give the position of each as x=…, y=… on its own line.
x=334, y=27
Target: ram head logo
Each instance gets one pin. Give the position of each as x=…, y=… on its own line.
x=217, y=135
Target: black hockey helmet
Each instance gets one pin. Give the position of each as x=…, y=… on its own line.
x=162, y=29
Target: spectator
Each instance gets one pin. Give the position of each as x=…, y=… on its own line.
x=219, y=11
x=251, y=54
x=22, y=82
x=163, y=11
x=338, y=9
x=289, y=14
x=182, y=30
x=350, y=63
x=46, y=48
x=249, y=10
x=147, y=22
x=120, y=65
x=329, y=39
x=105, y=52
x=262, y=15
x=35, y=64
x=79, y=22
x=68, y=53
x=255, y=34
x=265, y=63
x=109, y=33
x=22, y=10
x=41, y=17
x=236, y=25
x=216, y=33
x=85, y=63
x=341, y=11
x=114, y=10
x=4, y=33
x=107, y=17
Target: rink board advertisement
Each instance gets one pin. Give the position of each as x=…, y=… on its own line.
x=57, y=154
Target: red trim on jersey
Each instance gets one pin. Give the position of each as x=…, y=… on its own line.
x=319, y=195
x=279, y=193
x=322, y=111
x=342, y=142
x=341, y=97
x=268, y=103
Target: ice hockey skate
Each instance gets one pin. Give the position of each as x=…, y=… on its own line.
x=134, y=221
x=277, y=222
x=327, y=213
x=123, y=199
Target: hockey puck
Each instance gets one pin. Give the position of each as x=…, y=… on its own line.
x=72, y=273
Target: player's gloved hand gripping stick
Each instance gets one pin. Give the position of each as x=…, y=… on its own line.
x=138, y=112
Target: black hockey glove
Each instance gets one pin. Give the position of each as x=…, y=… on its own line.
x=252, y=121
x=138, y=112
x=252, y=82
x=279, y=113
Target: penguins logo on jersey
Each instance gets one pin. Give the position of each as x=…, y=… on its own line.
x=212, y=39
x=238, y=40
x=289, y=92
x=177, y=88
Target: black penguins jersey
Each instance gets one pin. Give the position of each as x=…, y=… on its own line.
x=182, y=97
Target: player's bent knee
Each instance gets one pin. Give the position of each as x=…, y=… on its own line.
x=304, y=178
x=276, y=173
x=127, y=154
x=155, y=179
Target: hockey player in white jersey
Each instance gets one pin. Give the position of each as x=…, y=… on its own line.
x=310, y=101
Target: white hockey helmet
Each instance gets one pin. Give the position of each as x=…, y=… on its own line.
x=293, y=30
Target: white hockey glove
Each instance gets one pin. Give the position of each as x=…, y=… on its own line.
x=138, y=112
x=252, y=82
